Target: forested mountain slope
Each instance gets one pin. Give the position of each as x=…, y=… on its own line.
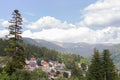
x=37, y=48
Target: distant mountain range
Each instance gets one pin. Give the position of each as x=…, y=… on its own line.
x=83, y=49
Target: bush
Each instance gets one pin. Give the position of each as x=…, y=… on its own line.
x=65, y=74
x=4, y=76
x=20, y=75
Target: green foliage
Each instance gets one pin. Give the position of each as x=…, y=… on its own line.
x=38, y=74
x=69, y=59
x=61, y=78
x=20, y=75
x=108, y=66
x=58, y=72
x=42, y=74
x=14, y=47
x=102, y=68
x=10, y=68
x=95, y=69
x=46, y=54
x=65, y=74
x=83, y=66
x=85, y=61
x=1, y=69
x=3, y=44
x=4, y=76
x=40, y=52
x=76, y=71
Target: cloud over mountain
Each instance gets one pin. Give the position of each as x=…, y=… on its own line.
x=102, y=13
x=82, y=34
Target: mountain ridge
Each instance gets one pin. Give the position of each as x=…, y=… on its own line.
x=81, y=48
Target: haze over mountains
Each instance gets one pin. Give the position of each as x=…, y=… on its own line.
x=83, y=49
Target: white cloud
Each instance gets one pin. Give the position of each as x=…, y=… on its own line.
x=27, y=33
x=82, y=34
x=49, y=22
x=109, y=34
x=4, y=23
x=103, y=13
x=3, y=33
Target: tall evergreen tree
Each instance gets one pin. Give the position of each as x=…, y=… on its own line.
x=108, y=66
x=94, y=71
x=76, y=71
x=14, y=47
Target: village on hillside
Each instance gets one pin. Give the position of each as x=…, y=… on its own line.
x=54, y=69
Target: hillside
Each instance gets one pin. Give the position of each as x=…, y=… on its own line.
x=42, y=53
x=83, y=49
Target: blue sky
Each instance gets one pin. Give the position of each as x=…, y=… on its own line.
x=92, y=21
x=65, y=10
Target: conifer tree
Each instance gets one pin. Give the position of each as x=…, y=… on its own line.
x=94, y=71
x=15, y=48
x=108, y=66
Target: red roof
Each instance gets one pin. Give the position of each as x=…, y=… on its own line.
x=44, y=63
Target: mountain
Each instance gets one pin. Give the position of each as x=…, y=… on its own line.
x=83, y=49
x=43, y=43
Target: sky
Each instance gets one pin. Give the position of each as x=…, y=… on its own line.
x=91, y=21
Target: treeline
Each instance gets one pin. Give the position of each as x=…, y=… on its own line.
x=40, y=52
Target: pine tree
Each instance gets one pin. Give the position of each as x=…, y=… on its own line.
x=14, y=47
x=94, y=71
x=108, y=66
x=76, y=71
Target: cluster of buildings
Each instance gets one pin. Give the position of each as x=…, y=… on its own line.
x=53, y=68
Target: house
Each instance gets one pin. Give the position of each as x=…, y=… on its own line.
x=45, y=66
x=57, y=65
x=44, y=63
x=64, y=71
x=31, y=64
x=60, y=66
